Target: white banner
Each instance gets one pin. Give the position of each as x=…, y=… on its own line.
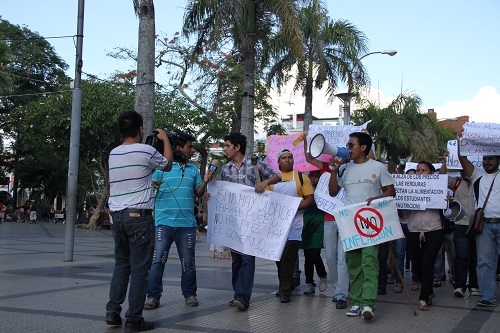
x=250, y=223
x=324, y=201
x=480, y=139
x=452, y=161
x=335, y=135
x=419, y=192
x=361, y=226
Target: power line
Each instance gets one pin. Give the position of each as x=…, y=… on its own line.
x=29, y=78
x=34, y=94
x=29, y=38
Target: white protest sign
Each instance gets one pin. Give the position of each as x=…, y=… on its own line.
x=250, y=223
x=452, y=161
x=324, y=201
x=335, y=135
x=480, y=139
x=419, y=192
x=361, y=226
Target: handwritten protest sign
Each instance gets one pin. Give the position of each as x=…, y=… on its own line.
x=480, y=139
x=419, y=192
x=452, y=161
x=334, y=135
x=322, y=197
x=361, y=226
x=250, y=223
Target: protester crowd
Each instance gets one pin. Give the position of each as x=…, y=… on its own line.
x=151, y=214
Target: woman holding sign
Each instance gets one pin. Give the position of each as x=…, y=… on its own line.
x=425, y=239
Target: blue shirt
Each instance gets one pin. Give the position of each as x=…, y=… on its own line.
x=174, y=204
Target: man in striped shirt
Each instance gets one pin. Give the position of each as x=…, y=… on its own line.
x=131, y=204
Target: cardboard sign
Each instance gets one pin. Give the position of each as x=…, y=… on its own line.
x=335, y=135
x=324, y=201
x=480, y=139
x=361, y=226
x=452, y=161
x=250, y=223
x=419, y=192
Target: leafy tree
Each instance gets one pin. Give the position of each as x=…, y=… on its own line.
x=400, y=130
x=246, y=26
x=43, y=150
x=331, y=51
x=30, y=70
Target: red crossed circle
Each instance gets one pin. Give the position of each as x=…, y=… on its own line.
x=358, y=219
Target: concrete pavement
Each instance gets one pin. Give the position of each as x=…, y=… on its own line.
x=39, y=292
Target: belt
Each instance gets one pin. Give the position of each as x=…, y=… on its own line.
x=491, y=220
x=134, y=212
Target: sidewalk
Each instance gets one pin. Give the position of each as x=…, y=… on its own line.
x=41, y=293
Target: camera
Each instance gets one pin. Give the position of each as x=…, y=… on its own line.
x=178, y=155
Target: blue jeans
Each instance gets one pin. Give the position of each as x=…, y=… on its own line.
x=335, y=260
x=488, y=248
x=243, y=268
x=134, y=244
x=465, y=258
x=185, y=240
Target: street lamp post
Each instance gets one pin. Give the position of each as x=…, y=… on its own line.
x=346, y=97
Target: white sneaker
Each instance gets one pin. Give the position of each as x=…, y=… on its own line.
x=459, y=292
x=474, y=291
x=367, y=313
x=355, y=311
x=322, y=284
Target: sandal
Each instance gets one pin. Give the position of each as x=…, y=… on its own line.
x=423, y=306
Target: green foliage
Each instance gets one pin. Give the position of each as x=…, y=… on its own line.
x=400, y=130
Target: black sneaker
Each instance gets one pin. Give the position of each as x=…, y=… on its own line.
x=285, y=298
x=485, y=303
x=138, y=326
x=113, y=318
x=341, y=304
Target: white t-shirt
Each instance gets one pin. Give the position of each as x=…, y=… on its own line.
x=492, y=209
x=130, y=170
x=363, y=181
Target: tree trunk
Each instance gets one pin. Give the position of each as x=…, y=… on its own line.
x=309, y=96
x=247, y=107
x=145, y=89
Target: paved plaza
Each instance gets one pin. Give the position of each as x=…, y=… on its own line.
x=39, y=292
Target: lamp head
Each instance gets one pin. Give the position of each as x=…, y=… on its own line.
x=389, y=52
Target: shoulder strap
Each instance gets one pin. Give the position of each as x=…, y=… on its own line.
x=301, y=178
x=489, y=191
x=457, y=184
x=476, y=189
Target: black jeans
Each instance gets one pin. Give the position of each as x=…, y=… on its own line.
x=424, y=253
x=312, y=259
x=383, y=255
x=286, y=266
x=134, y=244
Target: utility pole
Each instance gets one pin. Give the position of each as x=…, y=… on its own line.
x=74, y=147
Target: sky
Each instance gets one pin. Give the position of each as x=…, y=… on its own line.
x=447, y=50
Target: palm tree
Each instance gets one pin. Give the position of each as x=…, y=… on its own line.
x=331, y=51
x=145, y=88
x=247, y=26
x=400, y=129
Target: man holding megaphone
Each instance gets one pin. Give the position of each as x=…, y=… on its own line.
x=363, y=180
